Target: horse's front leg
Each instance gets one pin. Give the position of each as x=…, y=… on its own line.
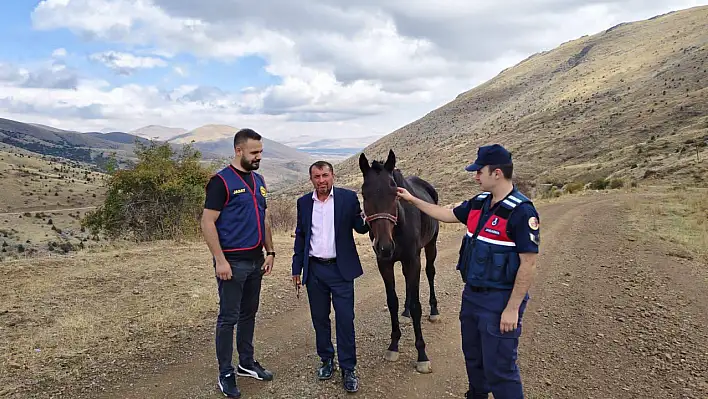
x=386, y=270
x=412, y=273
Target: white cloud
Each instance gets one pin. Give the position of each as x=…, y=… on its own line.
x=363, y=67
x=125, y=63
x=59, y=53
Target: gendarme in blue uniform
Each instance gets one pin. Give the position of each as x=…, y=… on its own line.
x=488, y=264
x=241, y=224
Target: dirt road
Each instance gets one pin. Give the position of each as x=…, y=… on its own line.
x=612, y=315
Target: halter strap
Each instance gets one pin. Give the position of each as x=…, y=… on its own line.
x=386, y=216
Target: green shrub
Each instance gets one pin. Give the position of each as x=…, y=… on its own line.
x=616, y=183
x=160, y=197
x=598, y=184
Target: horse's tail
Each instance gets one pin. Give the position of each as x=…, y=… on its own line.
x=427, y=186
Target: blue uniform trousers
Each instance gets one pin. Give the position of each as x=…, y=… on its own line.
x=490, y=356
x=327, y=287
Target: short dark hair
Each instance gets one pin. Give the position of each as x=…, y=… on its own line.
x=244, y=134
x=507, y=169
x=320, y=165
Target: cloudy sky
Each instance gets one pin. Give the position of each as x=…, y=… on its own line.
x=336, y=68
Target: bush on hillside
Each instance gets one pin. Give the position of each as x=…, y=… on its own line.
x=160, y=197
x=598, y=184
x=283, y=214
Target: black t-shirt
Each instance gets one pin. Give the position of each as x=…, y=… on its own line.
x=215, y=200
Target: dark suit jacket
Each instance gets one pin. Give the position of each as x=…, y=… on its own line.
x=347, y=217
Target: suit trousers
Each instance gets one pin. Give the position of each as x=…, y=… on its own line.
x=327, y=287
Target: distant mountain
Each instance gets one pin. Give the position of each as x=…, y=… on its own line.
x=92, y=148
x=157, y=132
x=282, y=165
x=219, y=139
x=119, y=137
x=330, y=149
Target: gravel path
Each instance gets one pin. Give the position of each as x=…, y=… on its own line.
x=613, y=314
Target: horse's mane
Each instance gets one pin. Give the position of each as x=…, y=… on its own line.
x=377, y=165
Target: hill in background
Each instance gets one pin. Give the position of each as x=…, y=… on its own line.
x=630, y=102
x=282, y=165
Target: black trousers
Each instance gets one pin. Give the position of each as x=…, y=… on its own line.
x=238, y=305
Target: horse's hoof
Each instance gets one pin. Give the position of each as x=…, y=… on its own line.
x=423, y=367
x=391, y=356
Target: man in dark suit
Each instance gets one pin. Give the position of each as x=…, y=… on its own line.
x=326, y=255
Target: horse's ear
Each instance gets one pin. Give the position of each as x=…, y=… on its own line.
x=363, y=164
x=390, y=161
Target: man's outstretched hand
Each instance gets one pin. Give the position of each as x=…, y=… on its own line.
x=404, y=194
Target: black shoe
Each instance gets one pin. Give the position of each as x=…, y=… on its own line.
x=472, y=395
x=254, y=371
x=227, y=385
x=350, y=381
x=324, y=372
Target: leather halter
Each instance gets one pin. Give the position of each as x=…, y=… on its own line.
x=384, y=215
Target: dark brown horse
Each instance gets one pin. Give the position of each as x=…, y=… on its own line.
x=398, y=231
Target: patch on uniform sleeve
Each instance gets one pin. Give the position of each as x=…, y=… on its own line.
x=533, y=223
x=264, y=193
x=535, y=238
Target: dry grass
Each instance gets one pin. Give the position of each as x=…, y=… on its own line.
x=67, y=317
x=678, y=215
x=33, y=183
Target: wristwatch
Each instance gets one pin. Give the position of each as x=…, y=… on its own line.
x=270, y=253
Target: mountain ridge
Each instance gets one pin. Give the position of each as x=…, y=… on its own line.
x=628, y=102
x=283, y=165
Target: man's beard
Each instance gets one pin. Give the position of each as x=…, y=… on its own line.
x=323, y=189
x=250, y=166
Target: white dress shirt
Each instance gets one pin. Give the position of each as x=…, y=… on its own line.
x=322, y=239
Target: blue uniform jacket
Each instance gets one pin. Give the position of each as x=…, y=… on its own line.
x=347, y=218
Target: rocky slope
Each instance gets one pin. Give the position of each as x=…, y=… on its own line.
x=630, y=102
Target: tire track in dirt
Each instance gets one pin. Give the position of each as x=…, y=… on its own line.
x=605, y=311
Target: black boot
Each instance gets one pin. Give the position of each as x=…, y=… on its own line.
x=350, y=381
x=324, y=372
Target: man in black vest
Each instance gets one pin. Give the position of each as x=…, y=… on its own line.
x=497, y=263
x=236, y=227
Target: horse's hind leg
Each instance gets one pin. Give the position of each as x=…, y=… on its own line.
x=412, y=273
x=431, y=252
x=386, y=270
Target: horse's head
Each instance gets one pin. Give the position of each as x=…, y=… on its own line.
x=380, y=203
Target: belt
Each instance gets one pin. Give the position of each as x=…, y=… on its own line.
x=485, y=289
x=324, y=260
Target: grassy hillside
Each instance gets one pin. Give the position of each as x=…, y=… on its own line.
x=630, y=102
x=42, y=201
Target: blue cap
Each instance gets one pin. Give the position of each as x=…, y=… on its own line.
x=493, y=154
